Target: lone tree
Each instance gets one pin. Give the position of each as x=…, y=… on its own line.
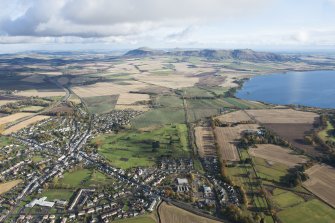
x=155, y=146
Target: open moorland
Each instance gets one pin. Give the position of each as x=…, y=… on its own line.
x=321, y=183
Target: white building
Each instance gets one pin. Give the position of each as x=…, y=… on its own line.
x=41, y=202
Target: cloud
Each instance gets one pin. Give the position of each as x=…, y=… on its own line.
x=181, y=35
x=301, y=36
x=204, y=23
x=101, y=18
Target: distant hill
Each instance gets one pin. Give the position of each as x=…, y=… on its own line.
x=239, y=54
x=144, y=52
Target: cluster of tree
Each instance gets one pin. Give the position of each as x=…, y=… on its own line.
x=295, y=175
x=42, y=137
x=16, y=106
x=218, y=123
x=155, y=146
x=237, y=215
x=250, y=139
x=327, y=147
x=243, y=195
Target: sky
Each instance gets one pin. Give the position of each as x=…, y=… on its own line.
x=126, y=24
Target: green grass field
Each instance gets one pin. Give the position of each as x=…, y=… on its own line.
x=170, y=101
x=31, y=109
x=5, y=140
x=268, y=172
x=208, y=103
x=324, y=133
x=286, y=199
x=82, y=178
x=37, y=158
x=61, y=194
x=308, y=212
x=160, y=116
x=101, y=104
x=134, y=148
x=196, y=92
x=140, y=219
x=216, y=90
x=238, y=175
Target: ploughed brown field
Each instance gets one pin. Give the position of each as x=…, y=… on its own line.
x=294, y=134
x=227, y=139
x=205, y=141
x=321, y=182
x=277, y=154
x=172, y=214
x=289, y=124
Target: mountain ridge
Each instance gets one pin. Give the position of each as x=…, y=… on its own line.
x=212, y=54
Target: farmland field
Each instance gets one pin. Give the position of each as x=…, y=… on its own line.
x=101, y=104
x=280, y=116
x=7, y=186
x=25, y=124
x=321, y=182
x=289, y=124
x=14, y=117
x=227, y=138
x=124, y=91
x=173, y=214
x=4, y=102
x=160, y=116
x=308, y=212
x=234, y=117
x=294, y=134
x=277, y=154
x=286, y=199
x=268, y=170
x=32, y=109
x=244, y=176
x=205, y=141
x=134, y=148
x=40, y=93
x=169, y=81
x=140, y=219
x=196, y=92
